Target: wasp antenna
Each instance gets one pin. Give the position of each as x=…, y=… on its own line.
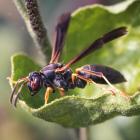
x=24, y=80
x=17, y=95
x=61, y=30
x=13, y=92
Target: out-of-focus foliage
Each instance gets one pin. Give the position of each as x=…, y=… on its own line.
x=87, y=24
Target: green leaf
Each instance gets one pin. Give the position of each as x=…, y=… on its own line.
x=88, y=24
x=81, y=112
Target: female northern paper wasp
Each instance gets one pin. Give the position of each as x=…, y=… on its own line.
x=60, y=76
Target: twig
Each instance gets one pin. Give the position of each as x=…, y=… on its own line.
x=31, y=15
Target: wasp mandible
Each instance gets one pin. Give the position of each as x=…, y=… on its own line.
x=60, y=76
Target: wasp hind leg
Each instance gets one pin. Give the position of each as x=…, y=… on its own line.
x=113, y=89
x=74, y=75
x=88, y=80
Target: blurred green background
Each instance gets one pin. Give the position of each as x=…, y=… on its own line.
x=16, y=124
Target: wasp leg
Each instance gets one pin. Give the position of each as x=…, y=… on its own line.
x=74, y=75
x=98, y=74
x=91, y=81
x=49, y=90
x=113, y=89
x=61, y=91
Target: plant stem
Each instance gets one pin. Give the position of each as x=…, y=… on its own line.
x=82, y=134
x=30, y=13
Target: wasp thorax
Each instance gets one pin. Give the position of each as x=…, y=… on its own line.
x=35, y=82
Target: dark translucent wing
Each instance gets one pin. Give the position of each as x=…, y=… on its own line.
x=112, y=75
x=97, y=44
x=61, y=30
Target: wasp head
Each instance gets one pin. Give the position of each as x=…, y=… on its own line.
x=35, y=82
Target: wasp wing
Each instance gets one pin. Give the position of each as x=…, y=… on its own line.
x=61, y=30
x=97, y=44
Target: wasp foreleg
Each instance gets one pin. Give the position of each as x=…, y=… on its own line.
x=49, y=90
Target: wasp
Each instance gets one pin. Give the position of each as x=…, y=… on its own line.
x=60, y=76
